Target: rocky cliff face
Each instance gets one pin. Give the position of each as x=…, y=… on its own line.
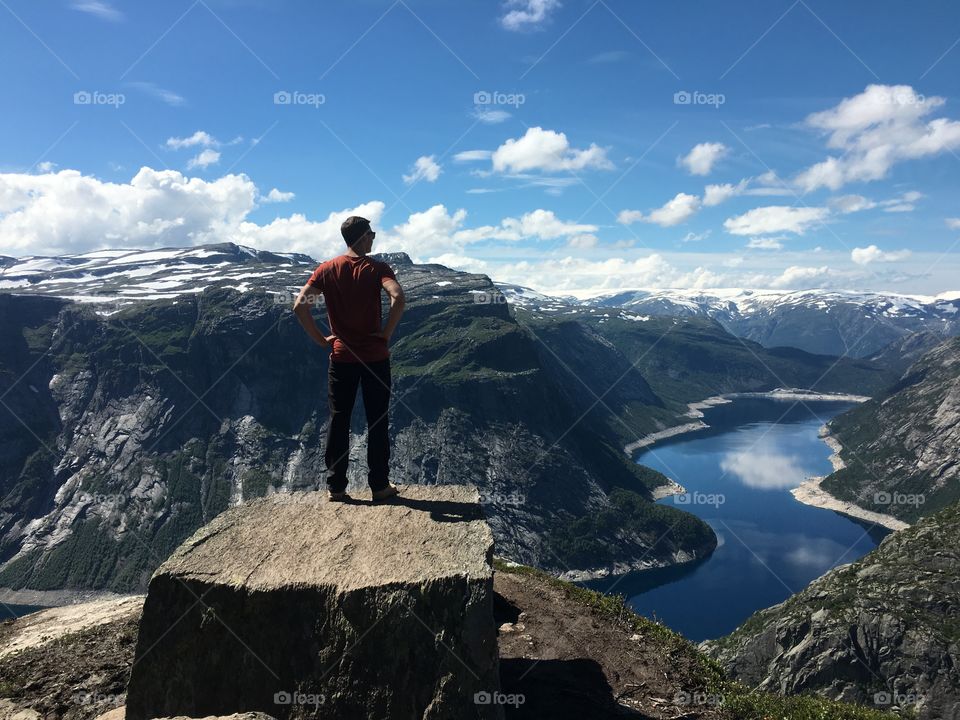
x=299, y=607
x=901, y=448
x=883, y=631
x=141, y=410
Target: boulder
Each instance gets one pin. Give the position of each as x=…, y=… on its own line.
x=295, y=606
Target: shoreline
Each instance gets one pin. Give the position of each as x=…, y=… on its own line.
x=625, y=567
x=695, y=411
x=55, y=598
x=810, y=492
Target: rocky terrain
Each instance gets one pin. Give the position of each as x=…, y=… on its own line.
x=564, y=652
x=900, y=449
x=296, y=606
x=129, y=420
x=882, y=631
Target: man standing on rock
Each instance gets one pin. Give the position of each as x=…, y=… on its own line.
x=350, y=285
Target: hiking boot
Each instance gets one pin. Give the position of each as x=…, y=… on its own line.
x=386, y=493
x=337, y=496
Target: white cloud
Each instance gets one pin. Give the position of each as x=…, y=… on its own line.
x=716, y=194
x=774, y=219
x=766, y=243
x=425, y=168
x=583, y=242
x=883, y=125
x=473, y=155
x=798, y=277
x=46, y=166
x=629, y=217
x=680, y=209
x=953, y=223
x=201, y=138
x=539, y=224
x=851, y=203
x=67, y=213
x=427, y=233
x=103, y=10
x=205, y=159
x=676, y=211
x=871, y=253
x=904, y=203
x=527, y=14
x=703, y=157
x=548, y=151
x=276, y=196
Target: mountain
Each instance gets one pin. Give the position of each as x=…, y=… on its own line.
x=882, y=631
x=828, y=322
x=900, y=449
x=145, y=392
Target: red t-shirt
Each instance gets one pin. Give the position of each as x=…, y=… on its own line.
x=351, y=290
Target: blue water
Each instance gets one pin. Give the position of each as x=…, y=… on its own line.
x=8, y=611
x=738, y=475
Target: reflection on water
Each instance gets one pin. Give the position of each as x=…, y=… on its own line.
x=739, y=473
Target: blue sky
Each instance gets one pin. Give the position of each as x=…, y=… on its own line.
x=573, y=146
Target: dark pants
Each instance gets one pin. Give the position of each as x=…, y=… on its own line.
x=343, y=378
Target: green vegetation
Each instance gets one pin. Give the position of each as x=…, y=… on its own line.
x=585, y=541
x=737, y=701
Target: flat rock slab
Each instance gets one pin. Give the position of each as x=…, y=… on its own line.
x=298, y=607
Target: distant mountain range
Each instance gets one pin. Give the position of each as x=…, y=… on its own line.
x=144, y=392
x=856, y=324
x=830, y=322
